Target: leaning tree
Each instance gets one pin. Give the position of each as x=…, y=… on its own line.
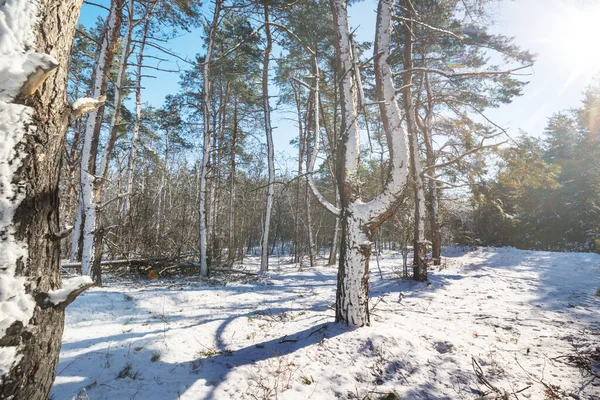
x=35, y=49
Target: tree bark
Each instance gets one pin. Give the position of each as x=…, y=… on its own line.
x=136, y=128
x=419, y=242
x=207, y=134
x=360, y=220
x=433, y=193
x=86, y=217
x=29, y=175
x=231, y=247
x=264, y=248
x=297, y=243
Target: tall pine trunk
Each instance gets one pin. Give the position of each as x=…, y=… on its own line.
x=231, y=246
x=419, y=242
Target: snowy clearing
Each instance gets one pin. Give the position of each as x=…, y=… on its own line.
x=523, y=316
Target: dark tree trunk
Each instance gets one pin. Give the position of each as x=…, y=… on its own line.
x=419, y=243
x=38, y=339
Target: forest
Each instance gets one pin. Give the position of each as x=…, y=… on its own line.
x=367, y=166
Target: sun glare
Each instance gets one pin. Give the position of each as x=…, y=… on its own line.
x=576, y=38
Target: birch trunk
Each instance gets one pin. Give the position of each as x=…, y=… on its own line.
x=205, y=162
x=360, y=220
x=87, y=210
x=138, y=121
x=264, y=247
x=32, y=133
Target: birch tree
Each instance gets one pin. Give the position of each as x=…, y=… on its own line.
x=35, y=47
x=85, y=227
x=138, y=112
x=359, y=220
x=264, y=249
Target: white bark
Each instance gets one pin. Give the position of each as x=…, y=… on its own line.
x=359, y=220
x=87, y=177
x=76, y=235
x=138, y=118
x=264, y=248
x=315, y=151
x=352, y=300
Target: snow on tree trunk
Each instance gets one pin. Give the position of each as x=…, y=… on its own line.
x=33, y=125
x=205, y=162
x=264, y=248
x=352, y=299
x=87, y=219
x=360, y=220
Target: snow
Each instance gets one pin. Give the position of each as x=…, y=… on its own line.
x=513, y=311
x=58, y=296
x=8, y=357
x=16, y=64
x=87, y=102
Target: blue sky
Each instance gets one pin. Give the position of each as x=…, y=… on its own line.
x=564, y=34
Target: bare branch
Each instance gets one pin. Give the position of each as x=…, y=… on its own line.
x=432, y=28
x=96, y=5
x=460, y=157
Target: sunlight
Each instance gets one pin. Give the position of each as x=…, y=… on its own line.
x=575, y=39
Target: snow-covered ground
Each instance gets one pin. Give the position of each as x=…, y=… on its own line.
x=525, y=317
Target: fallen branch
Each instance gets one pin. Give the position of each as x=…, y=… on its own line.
x=233, y=270
x=501, y=394
x=284, y=340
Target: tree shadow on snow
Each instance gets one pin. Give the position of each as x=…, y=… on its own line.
x=126, y=365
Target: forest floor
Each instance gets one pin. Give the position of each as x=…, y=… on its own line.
x=526, y=322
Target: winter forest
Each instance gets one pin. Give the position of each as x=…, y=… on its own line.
x=299, y=199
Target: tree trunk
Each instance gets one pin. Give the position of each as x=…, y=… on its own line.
x=216, y=230
x=231, y=247
x=352, y=299
x=433, y=200
x=419, y=242
x=264, y=248
x=87, y=210
x=30, y=140
x=102, y=172
x=136, y=128
x=297, y=243
x=205, y=162
x=333, y=252
x=360, y=220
